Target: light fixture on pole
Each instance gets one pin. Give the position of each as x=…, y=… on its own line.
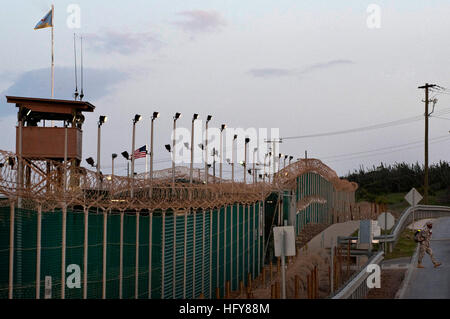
x=247, y=140
x=175, y=118
x=101, y=120
x=113, y=157
x=208, y=118
x=202, y=147
x=154, y=117
x=191, y=171
x=290, y=159
x=285, y=157
x=127, y=157
x=254, y=163
x=279, y=161
x=90, y=161
x=222, y=127
x=136, y=119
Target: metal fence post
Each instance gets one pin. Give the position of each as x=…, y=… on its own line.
x=163, y=245
x=105, y=230
x=85, y=251
x=136, y=278
x=121, y=255
x=150, y=226
x=193, y=255
x=225, y=247
x=38, y=251
x=11, y=251
x=63, y=251
x=184, y=255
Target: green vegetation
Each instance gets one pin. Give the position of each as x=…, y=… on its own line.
x=389, y=184
x=405, y=245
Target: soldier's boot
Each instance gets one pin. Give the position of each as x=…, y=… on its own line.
x=420, y=266
x=437, y=264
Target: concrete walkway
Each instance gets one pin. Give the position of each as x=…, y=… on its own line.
x=433, y=283
x=323, y=240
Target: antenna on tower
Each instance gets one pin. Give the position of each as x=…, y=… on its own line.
x=81, y=94
x=76, y=79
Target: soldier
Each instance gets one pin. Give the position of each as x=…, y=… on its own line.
x=424, y=242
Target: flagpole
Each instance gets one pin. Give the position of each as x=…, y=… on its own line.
x=53, y=53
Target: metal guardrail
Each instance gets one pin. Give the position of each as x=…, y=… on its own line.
x=356, y=286
x=408, y=215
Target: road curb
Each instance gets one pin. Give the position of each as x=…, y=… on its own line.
x=401, y=292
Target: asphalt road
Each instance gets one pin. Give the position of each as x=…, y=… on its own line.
x=430, y=282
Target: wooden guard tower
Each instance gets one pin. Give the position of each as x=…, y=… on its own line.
x=38, y=140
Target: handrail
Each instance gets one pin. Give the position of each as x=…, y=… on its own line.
x=355, y=288
x=421, y=211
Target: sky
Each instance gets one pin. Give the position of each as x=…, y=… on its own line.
x=302, y=67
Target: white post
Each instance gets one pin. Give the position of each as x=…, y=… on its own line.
x=237, y=245
x=136, y=276
x=11, y=251
x=210, y=253
x=203, y=254
x=63, y=251
x=218, y=251
x=85, y=253
x=174, y=259
x=150, y=255
x=38, y=252
x=231, y=247
x=105, y=229
x=283, y=268
x=184, y=255
x=253, y=242
x=225, y=247
x=193, y=255
x=163, y=246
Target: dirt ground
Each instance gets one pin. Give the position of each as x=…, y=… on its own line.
x=391, y=279
x=309, y=232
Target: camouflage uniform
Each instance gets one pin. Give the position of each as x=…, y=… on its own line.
x=425, y=237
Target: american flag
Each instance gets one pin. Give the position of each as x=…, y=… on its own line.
x=140, y=152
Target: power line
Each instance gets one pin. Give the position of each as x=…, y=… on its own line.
x=365, y=128
x=388, y=152
x=442, y=137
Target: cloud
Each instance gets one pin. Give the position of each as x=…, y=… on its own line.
x=277, y=72
x=271, y=72
x=36, y=83
x=200, y=21
x=121, y=42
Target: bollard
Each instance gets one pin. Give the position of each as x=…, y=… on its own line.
x=264, y=276
x=308, y=286
x=270, y=271
x=278, y=265
x=217, y=293
x=329, y=278
x=249, y=281
x=241, y=287
x=227, y=290
x=272, y=291
x=277, y=289
x=348, y=259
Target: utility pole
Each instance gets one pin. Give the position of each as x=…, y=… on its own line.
x=425, y=186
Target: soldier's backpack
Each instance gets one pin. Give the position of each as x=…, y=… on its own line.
x=417, y=237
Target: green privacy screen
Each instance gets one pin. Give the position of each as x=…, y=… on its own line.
x=162, y=254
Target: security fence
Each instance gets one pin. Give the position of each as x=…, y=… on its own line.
x=129, y=254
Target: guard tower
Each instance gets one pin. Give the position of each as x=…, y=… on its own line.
x=48, y=130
